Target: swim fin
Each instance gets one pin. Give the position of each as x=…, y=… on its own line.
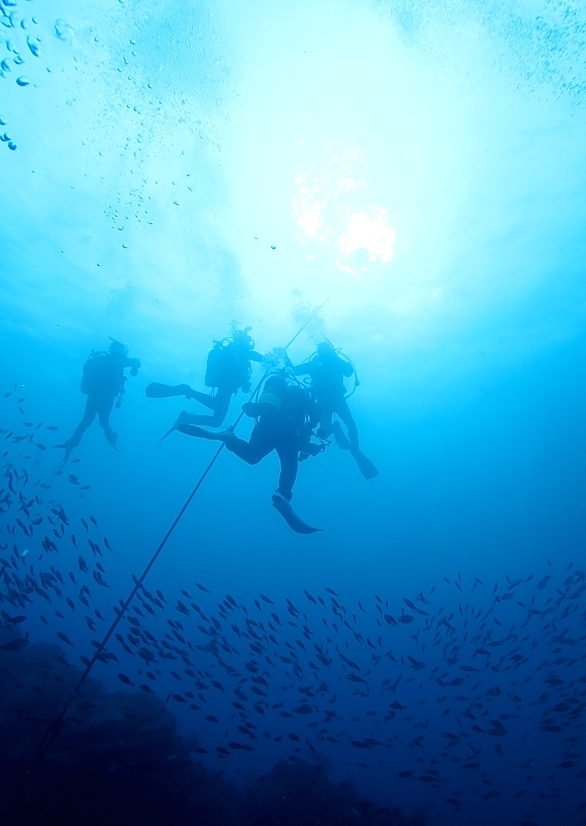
x=183, y=419
x=156, y=390
x=198, y=432
x=294, y=521
x=366, y=467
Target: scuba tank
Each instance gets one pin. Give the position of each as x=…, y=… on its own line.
x=228, y=363
x=273, y=393
x=95, y=372
x=216, y=364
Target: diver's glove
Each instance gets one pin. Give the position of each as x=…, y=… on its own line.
x=250, y=409
x=135, y=363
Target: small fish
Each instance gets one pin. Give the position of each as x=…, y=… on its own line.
x=14, y=645
x=126, y=680
x=201, y=587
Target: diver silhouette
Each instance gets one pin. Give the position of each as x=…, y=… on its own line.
x=103, y=383
x=326, y=371
x=286, y=417
x=228, y=371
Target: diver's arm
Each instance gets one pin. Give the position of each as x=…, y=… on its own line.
x=300, y=370
x=254, y=356
x=134, y=364
x=347, y=369
x=251, y=409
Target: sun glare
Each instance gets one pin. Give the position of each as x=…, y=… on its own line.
x=330, y=208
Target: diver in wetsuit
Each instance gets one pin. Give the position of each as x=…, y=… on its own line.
x=228, y=371
x=286, y=417
x=327, y=371
x=103, y=383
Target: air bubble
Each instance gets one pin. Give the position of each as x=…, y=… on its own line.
x=22, y=81
x=63, y=30
x=33, y=46
x=12, y=145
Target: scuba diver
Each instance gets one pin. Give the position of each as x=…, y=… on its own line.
x=286, y=416
x=326, y=371
x=103, y=383
x=228, y=371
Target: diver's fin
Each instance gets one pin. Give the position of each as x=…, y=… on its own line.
x=168, y=433
x=200, y=433
x=156, y=390
x=182, y=419
x=294, y=521
x=366, y=467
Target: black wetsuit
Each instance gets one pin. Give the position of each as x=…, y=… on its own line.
x=287, y=431
x=102, y=382
x=327, y=373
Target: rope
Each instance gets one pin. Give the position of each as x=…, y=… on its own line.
x=58, y=723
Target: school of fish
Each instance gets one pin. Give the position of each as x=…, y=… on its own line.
x=443, y=693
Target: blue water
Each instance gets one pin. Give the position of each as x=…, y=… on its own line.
x=169, y=171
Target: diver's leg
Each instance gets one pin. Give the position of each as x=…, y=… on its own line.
x=330, y=426
x=325, y=422
x=220, y=404
x=203, y=398
x=288, y=456
x=89, y=414
x=343, y=411
x=104, y=410
x=261, y=443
